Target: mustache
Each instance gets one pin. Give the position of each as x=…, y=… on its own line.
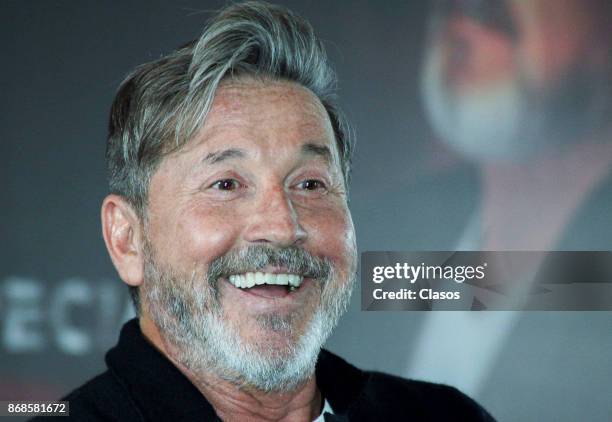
x=255, y=258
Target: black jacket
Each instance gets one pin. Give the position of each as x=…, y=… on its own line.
x=142, y=385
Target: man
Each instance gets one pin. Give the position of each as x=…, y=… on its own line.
x=522, y=89
x=228, y=166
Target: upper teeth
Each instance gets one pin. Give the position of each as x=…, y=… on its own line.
x=255, y=279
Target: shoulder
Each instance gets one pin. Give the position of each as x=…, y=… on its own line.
x=431, y=401
x=371, y=395
x=100, y=399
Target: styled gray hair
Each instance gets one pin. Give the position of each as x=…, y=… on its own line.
x=161, y=104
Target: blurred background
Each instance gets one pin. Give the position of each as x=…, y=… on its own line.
x=480, y=124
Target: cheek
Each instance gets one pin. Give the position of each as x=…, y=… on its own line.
x=200, y=235
x=332, y=235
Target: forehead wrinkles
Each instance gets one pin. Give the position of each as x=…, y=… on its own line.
x=275, y=107
x=250, y=100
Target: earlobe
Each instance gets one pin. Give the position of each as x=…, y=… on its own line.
x=122, y=232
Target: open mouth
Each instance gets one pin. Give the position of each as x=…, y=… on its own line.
x=267, y=285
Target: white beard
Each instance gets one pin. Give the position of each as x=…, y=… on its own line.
x=190, y=318
x=264, y=368
x=499, y=122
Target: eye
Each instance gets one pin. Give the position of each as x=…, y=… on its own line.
x=312, y=184
x=226, y=184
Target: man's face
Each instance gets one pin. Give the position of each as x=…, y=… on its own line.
x=260, y=183
x=504, y=78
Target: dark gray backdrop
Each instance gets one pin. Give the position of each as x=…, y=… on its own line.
x=61, y=302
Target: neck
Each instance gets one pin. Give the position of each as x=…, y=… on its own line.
x=527, y=205
x=242, y=403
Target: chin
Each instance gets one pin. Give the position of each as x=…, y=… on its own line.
x=273, y=357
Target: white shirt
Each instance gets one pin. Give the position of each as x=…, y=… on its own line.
x=326, y=409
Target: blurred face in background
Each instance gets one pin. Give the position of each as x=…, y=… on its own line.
x=506, y=79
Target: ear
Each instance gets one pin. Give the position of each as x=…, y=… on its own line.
x=122, y=232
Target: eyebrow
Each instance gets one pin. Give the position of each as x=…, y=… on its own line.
x=218, y=156
x=317, y=150
x=309, y=149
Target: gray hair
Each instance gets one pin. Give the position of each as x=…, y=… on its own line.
x=161, y=104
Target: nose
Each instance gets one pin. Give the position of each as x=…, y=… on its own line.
x=274, y=220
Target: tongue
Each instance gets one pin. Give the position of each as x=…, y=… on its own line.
x=269, y=291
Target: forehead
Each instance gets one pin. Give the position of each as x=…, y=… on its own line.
x=264, y=114
x=235, y=97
